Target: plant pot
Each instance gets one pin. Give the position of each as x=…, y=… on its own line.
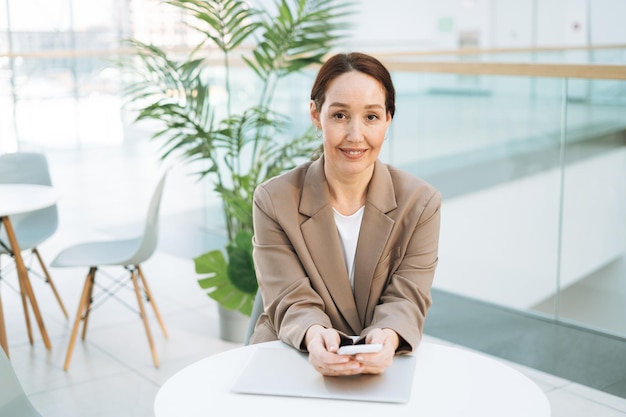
x=233, y=325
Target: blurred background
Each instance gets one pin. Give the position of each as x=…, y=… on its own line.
x=515, y=110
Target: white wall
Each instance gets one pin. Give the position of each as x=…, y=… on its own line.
x=512, y=23
x=423, y=24
x=561, y=23
x=608, y=21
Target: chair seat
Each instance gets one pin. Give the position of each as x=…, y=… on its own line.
x=35, y=227
x=25, y=243
x=13, y=399
x=19, y=406
x=30, y=233
x=116, y=252
x=111, y=252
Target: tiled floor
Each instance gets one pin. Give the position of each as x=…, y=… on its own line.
x=111, y=373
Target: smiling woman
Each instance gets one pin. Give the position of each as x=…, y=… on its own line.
x=345, y=247
x=353, y=121
x=352, y=103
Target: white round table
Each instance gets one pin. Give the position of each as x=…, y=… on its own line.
x=22, y=198
x=448, y=382
x=17, y=199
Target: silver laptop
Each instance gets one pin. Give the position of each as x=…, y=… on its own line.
x=287, y=372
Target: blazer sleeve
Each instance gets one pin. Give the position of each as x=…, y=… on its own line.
x=406, y=298
x=291, y=305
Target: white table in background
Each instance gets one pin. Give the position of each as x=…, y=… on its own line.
x=448, y=382
x=18, y=199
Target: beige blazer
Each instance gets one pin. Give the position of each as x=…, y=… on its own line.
x=300, y=266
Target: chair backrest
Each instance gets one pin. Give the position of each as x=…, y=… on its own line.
x=257, y=309
x=13, y=399
x=151, y=229
x=29, y=168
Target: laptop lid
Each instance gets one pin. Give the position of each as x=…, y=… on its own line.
x=287, y=372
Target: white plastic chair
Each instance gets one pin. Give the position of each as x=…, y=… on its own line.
x=127, y=253
x=34, y=228
x=13, y=399
x=257, y=310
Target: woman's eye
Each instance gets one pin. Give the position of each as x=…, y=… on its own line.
x=372, y=117
x=339, y=116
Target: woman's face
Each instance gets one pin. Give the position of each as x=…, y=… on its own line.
x=353, y=120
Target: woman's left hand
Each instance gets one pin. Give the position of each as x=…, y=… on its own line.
x=376, y=363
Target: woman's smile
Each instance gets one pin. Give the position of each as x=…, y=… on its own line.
x=352, y=153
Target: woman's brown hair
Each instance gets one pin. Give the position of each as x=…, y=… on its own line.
x=355, y=61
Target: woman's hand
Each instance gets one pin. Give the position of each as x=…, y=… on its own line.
x=376, y=363
x=322, y=344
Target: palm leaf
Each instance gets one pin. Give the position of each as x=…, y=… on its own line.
x=227, y=22
x=302, y=33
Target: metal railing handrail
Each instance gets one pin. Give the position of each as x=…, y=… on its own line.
x=585, y=71
x=496, y=51
x=401, y=61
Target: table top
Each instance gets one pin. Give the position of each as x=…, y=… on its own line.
x=448, y=381
x=22, y=198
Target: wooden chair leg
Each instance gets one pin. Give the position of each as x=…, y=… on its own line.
x=49, y=281
x=133, y=277
x=88, y=307
x=25, y=286
x=29, y=328
x=151, y=300
x=3, y=333
x=81, y=308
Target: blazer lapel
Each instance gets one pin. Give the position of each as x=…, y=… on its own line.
x=322, y=239
x=375, y=230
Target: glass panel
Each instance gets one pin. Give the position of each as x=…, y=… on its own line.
x=593, y=260
x=68, y=112
x=7, y=127
x=102, y=15
x=604, y=56
x=39, y=16
x=491, y=145
x=99, y=120
x=53, y=127
x=152, y=21
x=46, y=29
x=4, y=35
x=40, y=41
x=4, y=42
x=101, y=25
x=99, y=102
x=45, y=113
x=8, y=140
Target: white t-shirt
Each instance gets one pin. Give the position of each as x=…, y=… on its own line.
x=348, y=228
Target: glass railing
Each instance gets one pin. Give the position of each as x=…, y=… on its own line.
x=530, y=158
x=533, y=173
x=535, y=187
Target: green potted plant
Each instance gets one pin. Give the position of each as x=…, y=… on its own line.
x=235, y=150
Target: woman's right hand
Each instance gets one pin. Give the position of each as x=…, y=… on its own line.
x=322, y=344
